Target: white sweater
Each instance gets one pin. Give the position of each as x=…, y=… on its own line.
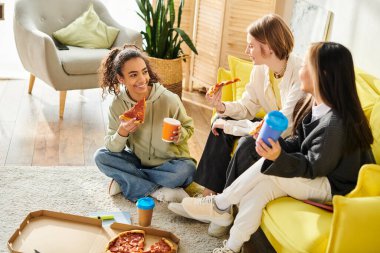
x=259, y=94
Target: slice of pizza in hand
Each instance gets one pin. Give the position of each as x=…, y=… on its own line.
x=162, y=246
x=257, y=129
x=131, y=241
x=137, y=112
x=216, y=87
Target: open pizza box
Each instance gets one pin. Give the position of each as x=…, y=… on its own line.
x=47, y=231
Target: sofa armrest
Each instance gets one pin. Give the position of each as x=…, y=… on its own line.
x=355, y=225
x=36, y=50
x=368, y=182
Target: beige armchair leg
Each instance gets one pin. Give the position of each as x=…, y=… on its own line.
x=32, y=78
x=62, y=101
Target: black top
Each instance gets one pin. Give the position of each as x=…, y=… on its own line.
x=317, y=151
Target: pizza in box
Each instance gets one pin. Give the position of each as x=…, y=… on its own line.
x=133, y=241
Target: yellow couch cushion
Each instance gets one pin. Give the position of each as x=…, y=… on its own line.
x=368, y=182
x=293, y=226
x=374, y=123
x=241, y=69
x=367, y=95
x=355, y=225
x=227, y=93
x=371, y=80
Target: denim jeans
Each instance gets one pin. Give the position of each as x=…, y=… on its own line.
x=136, y=180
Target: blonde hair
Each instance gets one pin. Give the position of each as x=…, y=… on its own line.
x=273, y=31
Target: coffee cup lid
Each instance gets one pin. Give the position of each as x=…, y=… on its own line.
x=276, y=120
x=145, y=203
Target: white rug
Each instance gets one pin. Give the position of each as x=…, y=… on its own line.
x=81, y=190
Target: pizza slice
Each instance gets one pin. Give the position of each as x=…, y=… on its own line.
x=216, y=87
x=131, y=241
x=257, y=129
x=137, y=112
x=162, y=246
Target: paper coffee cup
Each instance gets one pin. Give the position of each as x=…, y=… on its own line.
x=169, y=125
x=145, y=210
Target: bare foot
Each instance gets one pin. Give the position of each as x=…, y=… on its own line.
x=208, y=192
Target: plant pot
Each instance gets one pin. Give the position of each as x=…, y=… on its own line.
x=169, y=72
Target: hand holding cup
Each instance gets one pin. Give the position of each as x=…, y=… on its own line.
x=171, y=130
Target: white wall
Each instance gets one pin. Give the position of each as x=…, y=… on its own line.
x=10, y=66
x=355, y=24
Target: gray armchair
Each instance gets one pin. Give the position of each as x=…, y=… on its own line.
x=73, y=69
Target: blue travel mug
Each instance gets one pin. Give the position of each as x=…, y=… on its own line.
x=274, y=124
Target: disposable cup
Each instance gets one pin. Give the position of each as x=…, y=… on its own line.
x=169, y=125
x=145, y=208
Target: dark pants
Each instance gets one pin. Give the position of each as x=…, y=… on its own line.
x=217, y=169
x=244, y=156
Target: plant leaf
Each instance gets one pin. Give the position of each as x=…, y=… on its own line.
x=181, y=4
x=171, y=12
x=186, y=39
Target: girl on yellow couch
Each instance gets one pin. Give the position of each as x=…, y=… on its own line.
x=273, y=85
x=322, y=158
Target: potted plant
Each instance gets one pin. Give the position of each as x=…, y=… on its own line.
x=162, y=40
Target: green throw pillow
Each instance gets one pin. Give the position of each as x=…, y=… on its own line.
x=87, y=31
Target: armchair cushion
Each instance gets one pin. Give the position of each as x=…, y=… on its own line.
x=81, y=61
x=87, y=31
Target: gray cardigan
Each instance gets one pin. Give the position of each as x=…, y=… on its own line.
x=317, y=151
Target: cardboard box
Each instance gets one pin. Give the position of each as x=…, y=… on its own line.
x=48, y=231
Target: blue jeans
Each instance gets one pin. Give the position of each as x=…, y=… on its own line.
x=136, y=180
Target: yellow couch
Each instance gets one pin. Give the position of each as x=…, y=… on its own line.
x=293, y=226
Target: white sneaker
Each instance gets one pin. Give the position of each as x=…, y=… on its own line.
x=178, y=209
x=223, y=249
x=217, y=231
x=114, y=188
x=205, y=209
x=165, y=194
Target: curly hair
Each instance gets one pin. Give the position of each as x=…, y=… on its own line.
x=112, y=65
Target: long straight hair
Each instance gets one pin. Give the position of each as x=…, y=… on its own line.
x=332, y=71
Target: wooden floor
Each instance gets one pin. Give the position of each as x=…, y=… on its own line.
x=31, y=132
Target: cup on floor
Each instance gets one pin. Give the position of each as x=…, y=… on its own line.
x=169, y=125
x=274, y=124
x=145, y=208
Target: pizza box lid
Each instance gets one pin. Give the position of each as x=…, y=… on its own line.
x=48, y=231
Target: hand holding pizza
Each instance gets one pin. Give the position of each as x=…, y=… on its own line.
x=128, y=126
x=215, y=101
x=214, y=94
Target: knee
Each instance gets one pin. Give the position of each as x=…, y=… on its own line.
x=100, y=156
x=187, y=169
x=245, y=141
x=190, y=167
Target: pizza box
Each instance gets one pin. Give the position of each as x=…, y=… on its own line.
x=47, y=231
